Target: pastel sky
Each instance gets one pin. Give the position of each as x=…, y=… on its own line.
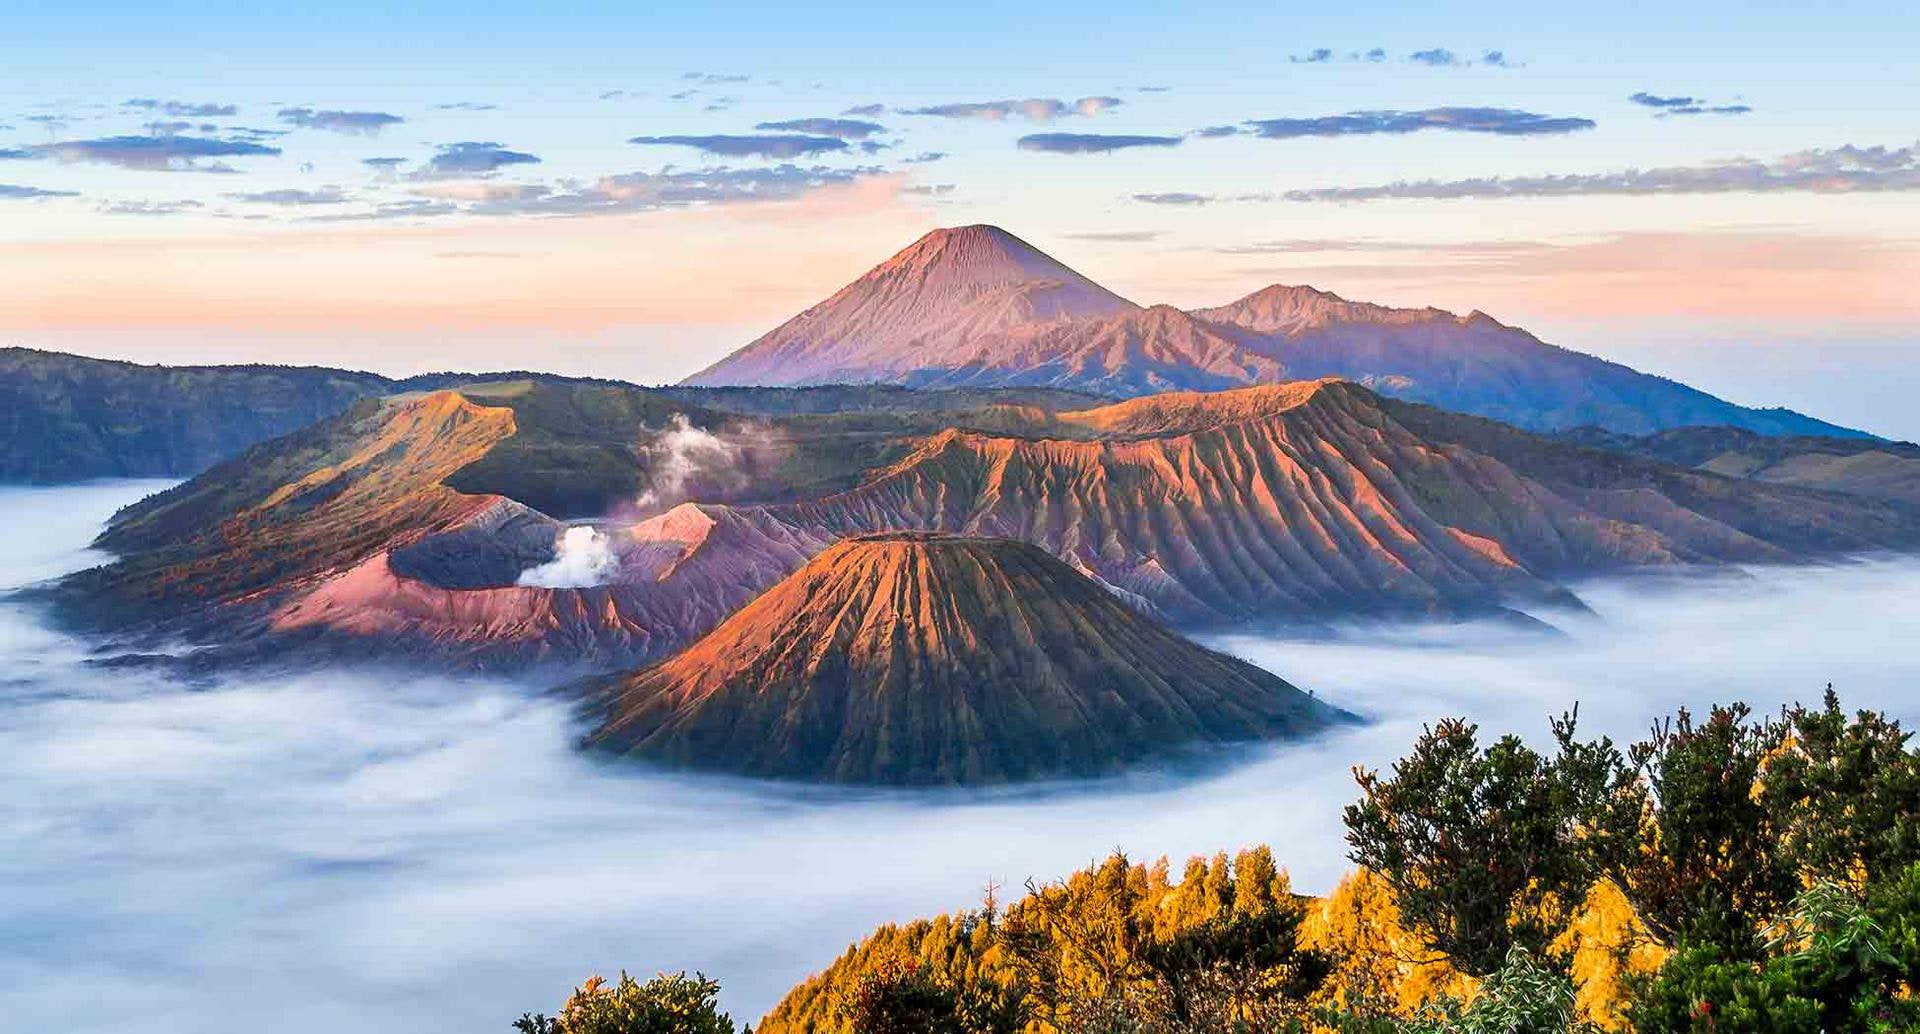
x=1728, y=193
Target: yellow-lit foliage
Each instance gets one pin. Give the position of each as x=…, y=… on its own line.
x=1380, y=966
x=1607, y=944
x=966, y=946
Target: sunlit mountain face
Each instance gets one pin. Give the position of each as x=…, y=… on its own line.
x=1041, y=521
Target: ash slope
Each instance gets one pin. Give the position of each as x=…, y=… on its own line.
x=928, y=659
x=977, y=306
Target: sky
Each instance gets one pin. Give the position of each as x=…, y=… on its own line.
x=1729, y=194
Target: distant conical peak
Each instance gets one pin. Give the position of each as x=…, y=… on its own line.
x=977, y=255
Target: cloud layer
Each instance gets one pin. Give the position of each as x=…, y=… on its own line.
x=772, y=145
x=1686, y=105
x=13, y=192
x=844, y=128
x=183, y=109
x=1500, y=121
x=360, y=123
x=475, y=158
x=390, y=838
x=1091, y=143
x=1033, y=109
x=1840, y=170
x=167, y=153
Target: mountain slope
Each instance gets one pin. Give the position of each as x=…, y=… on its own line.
x=1856, y=466
x=975, y=306
x=1300, y=501
x=1475, y=364
x=913, y=658
x=70, y=418
x=930, y=302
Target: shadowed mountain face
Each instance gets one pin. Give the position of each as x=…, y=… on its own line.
x=1857, y=466
x=406, y=525
x=926, y=659
x=67, y=418
x=976, y=306
x=70, y=418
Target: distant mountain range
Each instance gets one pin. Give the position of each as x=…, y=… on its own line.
x=911, y=658
x=1857, y=466
x=66, y=418
x=977, y=306
x=69, y=418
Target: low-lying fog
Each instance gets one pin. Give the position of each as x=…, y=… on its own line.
x=357, y=852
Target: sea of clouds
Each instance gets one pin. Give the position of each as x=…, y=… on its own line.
x=358, y=851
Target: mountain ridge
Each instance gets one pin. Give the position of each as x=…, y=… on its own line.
x=1291, y=503
x=874, y=331
x=916, y=658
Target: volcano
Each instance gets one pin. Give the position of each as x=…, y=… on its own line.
x=925, y=307
x=978, y=307
x=925, y=659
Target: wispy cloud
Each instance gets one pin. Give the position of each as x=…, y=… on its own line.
x=1322, y=245
x=184, y=109
x=1840, y=170
x=361, y=123
x=866, y=110
x=415, y=208
x=749, y=146
x=714, y=78
x=1686, y=105
x=16, y=154
x=644, y=191
x=471, y=158
x=1433, y=57
x=1091, y=143
x=467, y=106
x=152, y=208
x=1033, y=109
x=1437, y=57
x=293, y=197
x=1175, y=197
x=177, y=126
x=482, y=190
x=1117, y=236
x=156, y=153
x=12, y=192
x=1500, y=121
x=844, y=128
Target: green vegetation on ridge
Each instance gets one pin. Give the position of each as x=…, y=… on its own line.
x=1726, y=874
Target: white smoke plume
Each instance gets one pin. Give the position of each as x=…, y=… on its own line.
x=584, y=557
x=683, y=452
